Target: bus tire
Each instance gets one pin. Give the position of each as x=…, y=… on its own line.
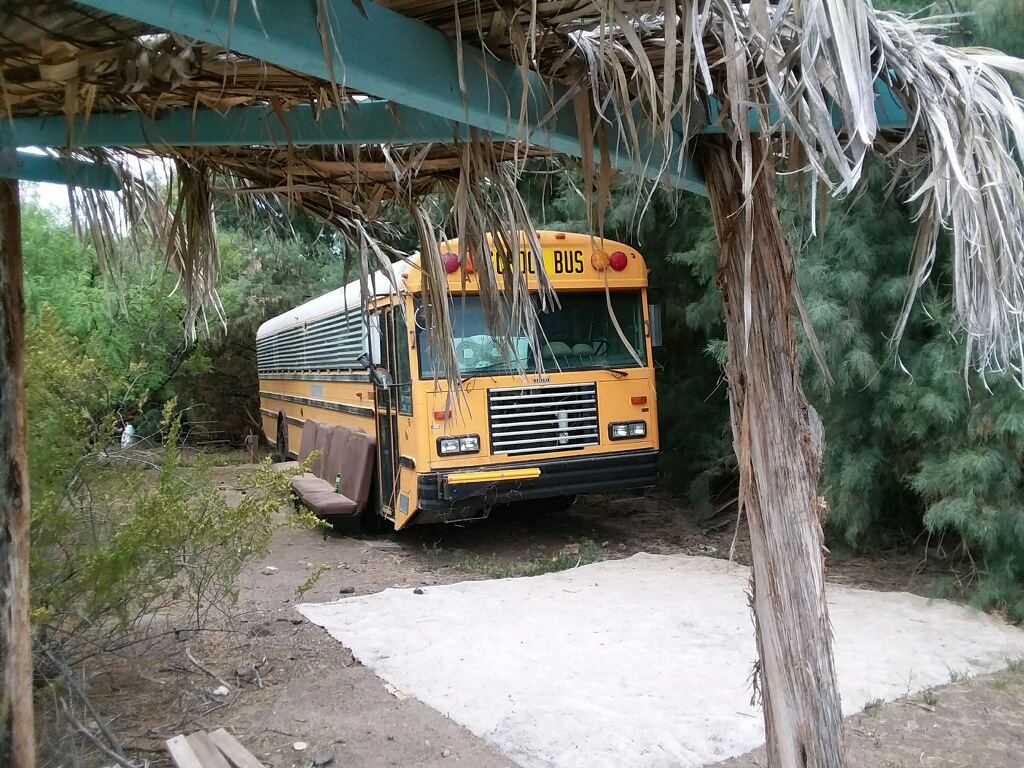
x=374, y=523
x=558, y=504
x=552, y=505
x=281, y=449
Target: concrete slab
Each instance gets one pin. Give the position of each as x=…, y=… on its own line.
x=643, y=662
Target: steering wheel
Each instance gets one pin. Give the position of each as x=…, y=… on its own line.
x=600, y=346
x=468, y=353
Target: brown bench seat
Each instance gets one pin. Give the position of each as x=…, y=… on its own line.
x=345, y=452
x=306, y=446
x=323, y=444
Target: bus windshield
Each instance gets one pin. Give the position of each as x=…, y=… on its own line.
x=579, y=335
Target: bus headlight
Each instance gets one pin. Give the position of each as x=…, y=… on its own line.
x=623, y=430
x=451, y=446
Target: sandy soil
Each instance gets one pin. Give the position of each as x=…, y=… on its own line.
x=290, y=682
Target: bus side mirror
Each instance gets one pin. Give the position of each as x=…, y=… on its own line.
x=381, y=377
x=654, y=325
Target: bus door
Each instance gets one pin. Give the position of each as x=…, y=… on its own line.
x=392, y=400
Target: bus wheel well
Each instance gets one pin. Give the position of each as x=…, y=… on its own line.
x=282, y=437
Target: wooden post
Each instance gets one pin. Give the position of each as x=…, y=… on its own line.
x=17, y=736
x=779, y=463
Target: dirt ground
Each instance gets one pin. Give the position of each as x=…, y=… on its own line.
x=289, y=682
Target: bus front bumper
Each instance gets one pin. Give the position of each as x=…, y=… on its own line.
x=507, y=483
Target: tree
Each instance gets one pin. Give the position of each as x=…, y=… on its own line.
x=786, y=77
x=776, y=436
x=811, y=63
x=261, y=277
x=16, y=715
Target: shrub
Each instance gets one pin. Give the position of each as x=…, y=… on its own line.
x=119, y=534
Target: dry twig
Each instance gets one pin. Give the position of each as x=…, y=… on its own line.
x=204, y=668
x=117, y=756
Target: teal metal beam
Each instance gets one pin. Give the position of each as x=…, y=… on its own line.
x=73, y=173
x=394, y=58
x=373, y=122
x=889, y=112
x=370, y=122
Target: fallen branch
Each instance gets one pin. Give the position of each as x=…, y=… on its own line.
x=69, y=679
x=82, y=730
x=204, y=668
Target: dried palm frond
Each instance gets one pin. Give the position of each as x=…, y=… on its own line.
x=191, y=247
x=967, y=179
x=489, y=216
x=145, y=219
x=800, y=77
x=466, y=191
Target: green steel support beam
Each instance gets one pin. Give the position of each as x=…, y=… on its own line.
x=374, y=122
x=74, y=173
x=370, y=122
x=889, y=112
x=380, y=52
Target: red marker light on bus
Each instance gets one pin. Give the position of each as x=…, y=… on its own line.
x=450, y=261
x=618, y=261
x=638, y=399
x=442, y=415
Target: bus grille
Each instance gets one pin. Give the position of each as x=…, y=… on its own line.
x=560, y=417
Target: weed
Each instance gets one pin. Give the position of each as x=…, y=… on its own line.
x=536, y=565
x=433, y=548
x=958, y=675
x=1015, y=666
x=314, y=577
x=227, y=458
x=872, y=707
x=930, y=698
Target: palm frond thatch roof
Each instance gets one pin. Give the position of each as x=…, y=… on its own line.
x=805, y=71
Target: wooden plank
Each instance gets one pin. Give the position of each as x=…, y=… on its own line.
x=205, y=750
x=236, y=754
x=181, y=752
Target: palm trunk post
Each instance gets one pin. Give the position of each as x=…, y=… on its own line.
x=779, y=459
x=17, y=740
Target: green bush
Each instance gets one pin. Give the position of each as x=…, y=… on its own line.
x=914, y=448
x=119, y=534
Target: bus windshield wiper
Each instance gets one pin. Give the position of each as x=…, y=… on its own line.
x=489, y=370
x=617, y=372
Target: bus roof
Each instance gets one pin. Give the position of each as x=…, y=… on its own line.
x=350, y=295
x=567, y=259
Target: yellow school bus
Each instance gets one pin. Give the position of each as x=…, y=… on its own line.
x=583, y=421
